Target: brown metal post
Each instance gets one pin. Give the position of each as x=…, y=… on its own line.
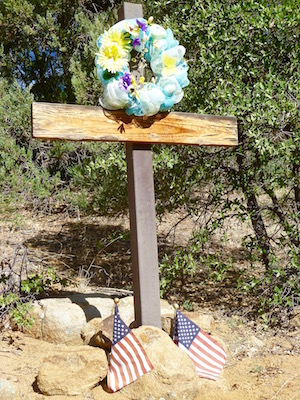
x=143, y=238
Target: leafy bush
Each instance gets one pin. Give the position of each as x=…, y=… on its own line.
x=18, y=287
x=242, y=58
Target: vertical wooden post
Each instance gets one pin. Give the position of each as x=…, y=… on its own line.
x=143, y=239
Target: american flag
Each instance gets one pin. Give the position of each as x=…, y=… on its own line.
x=128, y=360
x=208, y=356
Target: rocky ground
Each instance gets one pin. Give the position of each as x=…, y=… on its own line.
x=259, y=366
x=262, y=364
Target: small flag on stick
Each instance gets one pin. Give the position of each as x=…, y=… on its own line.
x=128, y=360
x=208, y=356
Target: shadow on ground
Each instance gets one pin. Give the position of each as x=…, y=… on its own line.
x=100, y=255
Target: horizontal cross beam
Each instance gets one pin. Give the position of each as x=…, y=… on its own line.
x=52, y=121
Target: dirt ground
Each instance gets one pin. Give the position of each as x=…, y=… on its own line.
x=93, y=252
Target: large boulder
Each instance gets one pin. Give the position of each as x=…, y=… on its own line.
x=173, y=376
x=93, y=305
x=72, y=371
x=61, y=320
x=8, y=390
x=58, y=321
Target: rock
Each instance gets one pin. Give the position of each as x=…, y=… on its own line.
x=167, y=317
x=61, y=320
x=126, y=309
x=99, y=332
x=8, y=390
x=38, y=314
x=107, y=327
x=204, y=320
x=173, y=376
x=72, y=372
x=88, y=331
x=255, y=342
x=93, y=305
x=104, y=336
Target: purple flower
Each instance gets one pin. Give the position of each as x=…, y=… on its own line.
x=136, y=42
x=125, y=81
x=142, y=25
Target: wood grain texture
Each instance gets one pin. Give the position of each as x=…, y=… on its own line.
x=52, y=121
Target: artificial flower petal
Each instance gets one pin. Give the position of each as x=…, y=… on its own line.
x=114, y=98
x=143, y=25
x=172, y=91
x=114, y=50
x=171, y=59
x=157, y=32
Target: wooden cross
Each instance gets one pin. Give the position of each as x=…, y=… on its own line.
x=88, y=123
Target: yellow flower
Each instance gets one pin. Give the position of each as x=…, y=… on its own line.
x=170, y=65
x=117, y=36
x=135, y=31
x=133, y=81
x=127, y=27
x=114, y=50
x=150, y=20
x=142, y=80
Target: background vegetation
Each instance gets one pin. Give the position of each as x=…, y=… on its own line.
x=244, y=61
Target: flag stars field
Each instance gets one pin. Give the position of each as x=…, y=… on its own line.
x=120, y=330
x=188, y=331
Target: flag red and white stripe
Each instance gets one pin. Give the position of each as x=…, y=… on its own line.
x=208, y=356
x=128, y=360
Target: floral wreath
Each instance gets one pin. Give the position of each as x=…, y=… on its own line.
x=132, y=43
